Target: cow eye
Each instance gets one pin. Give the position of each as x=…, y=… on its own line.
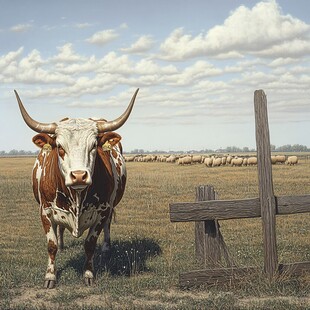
x=61, y=151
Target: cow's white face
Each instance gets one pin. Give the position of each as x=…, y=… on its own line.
x=76, y=141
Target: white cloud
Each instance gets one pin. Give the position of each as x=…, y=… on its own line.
x=149, y=67
x=143, y=44
x=262, y=30
x=9, y=58
x=83, y=25
x=21, y=28
x=294, y=48
x=282, y=61
x=29, y=69
x=114, y=64
x=103, y=37
x=89, y=65
x=67, y=54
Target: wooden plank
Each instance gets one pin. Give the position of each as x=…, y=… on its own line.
x=221, y=275
x=214, y=209
x=295, y=269
x=234, y=209
x=266, y=194
x=206, y=232
x=213, y=276
x=293, y=204
x=201, y=195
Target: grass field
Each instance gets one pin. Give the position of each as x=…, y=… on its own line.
x=149, y=251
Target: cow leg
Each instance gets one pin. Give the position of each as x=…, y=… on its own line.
x=50, y=276
x=106, y=246
x=90, y=246
x=60, y=237
x=50, y=230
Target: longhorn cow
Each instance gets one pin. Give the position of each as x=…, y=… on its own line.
x=78, y=178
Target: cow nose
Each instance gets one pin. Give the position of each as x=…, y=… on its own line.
x=79, y=177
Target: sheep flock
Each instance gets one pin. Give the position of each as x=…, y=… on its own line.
x=211, y=160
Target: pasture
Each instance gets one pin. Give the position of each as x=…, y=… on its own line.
x=148, y=251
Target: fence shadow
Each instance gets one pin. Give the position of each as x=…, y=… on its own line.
x=125, y=258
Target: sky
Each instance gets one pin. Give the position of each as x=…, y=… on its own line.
x=196, y=63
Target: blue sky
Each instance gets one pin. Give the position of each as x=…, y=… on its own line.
x=197, y=64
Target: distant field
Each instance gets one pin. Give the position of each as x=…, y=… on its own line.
x=148, y=250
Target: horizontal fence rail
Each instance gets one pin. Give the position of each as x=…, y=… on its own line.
x=235, y=209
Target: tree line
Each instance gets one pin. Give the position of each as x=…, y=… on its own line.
x=18, y=153
x=228, y=149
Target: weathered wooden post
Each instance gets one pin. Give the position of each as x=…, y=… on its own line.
x=266, y=194
x=209, y=241
x=207, y=232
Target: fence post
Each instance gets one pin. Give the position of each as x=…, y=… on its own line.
x=207, y=232
x=266, y=194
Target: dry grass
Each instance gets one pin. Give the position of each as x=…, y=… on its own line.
x=149, y=251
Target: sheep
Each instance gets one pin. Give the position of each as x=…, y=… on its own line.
x=197, y=159
x=208, y=161
x=280, y=159
x=161, y=158
x=217, y=162
x=147, y=158
x=186, y=160
x=237, y=161
x=252, y=161
x=292, y=160
x=229, y=159
x=171, y=159
x=129, y=158
x=273, y=160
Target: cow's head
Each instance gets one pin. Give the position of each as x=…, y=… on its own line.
x=75, y=141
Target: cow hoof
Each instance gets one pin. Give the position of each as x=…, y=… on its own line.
x=89, y=281
x=49, y=284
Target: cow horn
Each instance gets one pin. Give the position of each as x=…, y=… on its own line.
x=34, y=125
x=117, y=123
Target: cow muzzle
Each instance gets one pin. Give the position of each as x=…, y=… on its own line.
x=80, y=179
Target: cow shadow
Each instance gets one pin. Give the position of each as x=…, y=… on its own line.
x=128, y=257
x=125, y=258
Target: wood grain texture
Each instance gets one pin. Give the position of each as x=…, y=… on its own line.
x=293, y=204
x=266, y=194
x=235, y=209
x=216, y=209
x=234, y=274
x=207, y=239
x=213, y=276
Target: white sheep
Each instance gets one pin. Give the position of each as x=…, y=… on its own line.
x=237, y=161
x=252, y=161
x=280, y=159
x=208, y=161
x=292, y=160
x=217, y=162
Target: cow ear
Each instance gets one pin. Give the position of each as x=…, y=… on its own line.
x=42, y=139
x=111, y=138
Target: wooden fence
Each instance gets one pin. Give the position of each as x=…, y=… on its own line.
x=207, y=210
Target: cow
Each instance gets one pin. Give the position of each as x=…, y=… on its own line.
x=78, y=178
